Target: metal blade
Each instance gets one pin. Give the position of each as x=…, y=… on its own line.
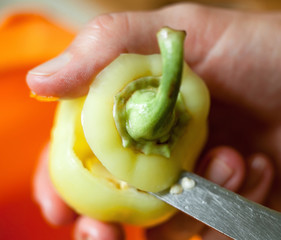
x=223, y=210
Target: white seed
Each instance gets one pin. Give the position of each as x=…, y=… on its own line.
x=176, y=189
x=187, y=183
x=124, y=185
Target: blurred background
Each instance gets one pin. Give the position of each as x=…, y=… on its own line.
x=32, y=32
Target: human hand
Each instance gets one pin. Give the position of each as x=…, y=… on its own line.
x=233, y=52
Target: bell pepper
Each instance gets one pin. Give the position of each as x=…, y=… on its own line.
x=142, y=122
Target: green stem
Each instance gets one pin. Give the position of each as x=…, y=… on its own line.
x=156, y=117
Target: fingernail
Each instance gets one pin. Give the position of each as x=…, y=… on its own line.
x=52, y=66
x=218, y=171
x=255, y=172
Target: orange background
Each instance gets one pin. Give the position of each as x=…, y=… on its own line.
x=25, y=41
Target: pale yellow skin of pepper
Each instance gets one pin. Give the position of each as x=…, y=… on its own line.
x=92, y=188
x=86, y=185
x=146, y=172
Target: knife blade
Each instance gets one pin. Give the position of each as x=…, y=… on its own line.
x=223, y=210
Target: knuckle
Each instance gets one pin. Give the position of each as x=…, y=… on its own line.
x=103, y=28
x=105, y=21
x=111, y=24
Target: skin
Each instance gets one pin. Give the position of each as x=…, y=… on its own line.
x=238, y=56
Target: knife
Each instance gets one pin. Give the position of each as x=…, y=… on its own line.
x=221, y=209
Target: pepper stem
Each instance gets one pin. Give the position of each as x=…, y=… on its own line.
x=150, y=114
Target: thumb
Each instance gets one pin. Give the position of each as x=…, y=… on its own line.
x=105, y=37
x=70, y=74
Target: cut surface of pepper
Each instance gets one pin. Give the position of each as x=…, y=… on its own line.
x=99, y=177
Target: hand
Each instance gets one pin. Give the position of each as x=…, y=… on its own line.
x=238, y=56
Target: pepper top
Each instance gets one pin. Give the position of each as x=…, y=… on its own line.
x=148, y=112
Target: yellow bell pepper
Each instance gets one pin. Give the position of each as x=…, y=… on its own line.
x=102, y=167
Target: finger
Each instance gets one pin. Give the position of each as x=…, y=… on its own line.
x=222, y=161
x=224, y=166
x=90, y=229
x=211, y=234
x=179, y=227
x=256, y=187
x=104, y=38
x=259, y=178
x=53, y=208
